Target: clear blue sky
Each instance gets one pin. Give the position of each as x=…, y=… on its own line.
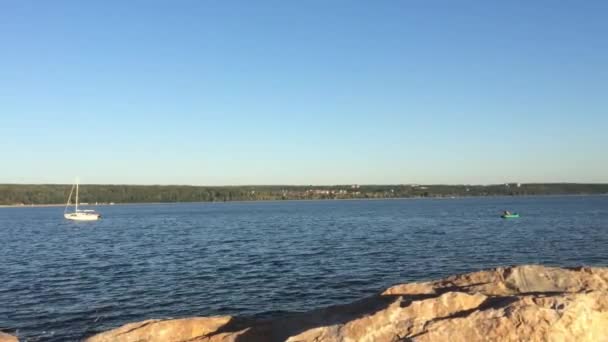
x=303, y=92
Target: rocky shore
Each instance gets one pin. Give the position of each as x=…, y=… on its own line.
x=523, y=303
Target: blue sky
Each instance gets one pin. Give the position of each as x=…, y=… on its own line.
x=303, y=92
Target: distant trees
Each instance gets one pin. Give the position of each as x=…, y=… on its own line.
x=12, y=194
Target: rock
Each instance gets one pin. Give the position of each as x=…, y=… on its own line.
x=4, y=337
x=524, y=303
x=164, y=330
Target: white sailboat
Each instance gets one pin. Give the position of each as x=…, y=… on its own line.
x=79, y=215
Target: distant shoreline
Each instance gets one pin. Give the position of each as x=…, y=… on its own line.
x=51, y=195
x=298, y=200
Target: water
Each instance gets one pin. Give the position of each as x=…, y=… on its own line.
x=63, y=281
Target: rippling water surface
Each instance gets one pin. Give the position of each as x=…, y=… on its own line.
x=63, y=281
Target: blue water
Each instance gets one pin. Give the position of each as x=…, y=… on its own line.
x=63, y=281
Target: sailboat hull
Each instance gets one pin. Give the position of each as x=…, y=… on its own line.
x=82, y=216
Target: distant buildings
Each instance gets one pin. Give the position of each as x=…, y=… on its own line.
x=327, y=192
x=419, y=187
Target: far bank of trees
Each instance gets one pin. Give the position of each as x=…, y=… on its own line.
x=26, y=194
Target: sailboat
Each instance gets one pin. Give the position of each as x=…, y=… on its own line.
x=79, y=215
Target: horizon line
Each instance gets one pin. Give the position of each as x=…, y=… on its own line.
x=325, y=185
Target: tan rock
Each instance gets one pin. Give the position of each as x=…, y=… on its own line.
x=164, y=330
x=525, y=303
x=4, y=337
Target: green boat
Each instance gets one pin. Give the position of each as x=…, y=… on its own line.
x=506, y=216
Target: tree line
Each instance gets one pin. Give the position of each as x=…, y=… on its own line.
x=27, y=194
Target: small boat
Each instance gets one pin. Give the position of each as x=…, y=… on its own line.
x=510, y=215
x=79, y=215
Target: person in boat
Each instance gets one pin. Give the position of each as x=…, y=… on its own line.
x=506, y=212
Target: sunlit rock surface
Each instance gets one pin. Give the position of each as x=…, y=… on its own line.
x=523, y=303
x=7, y=338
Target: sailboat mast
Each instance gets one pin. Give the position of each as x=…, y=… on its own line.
x=69, y=198
x=76, y=195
